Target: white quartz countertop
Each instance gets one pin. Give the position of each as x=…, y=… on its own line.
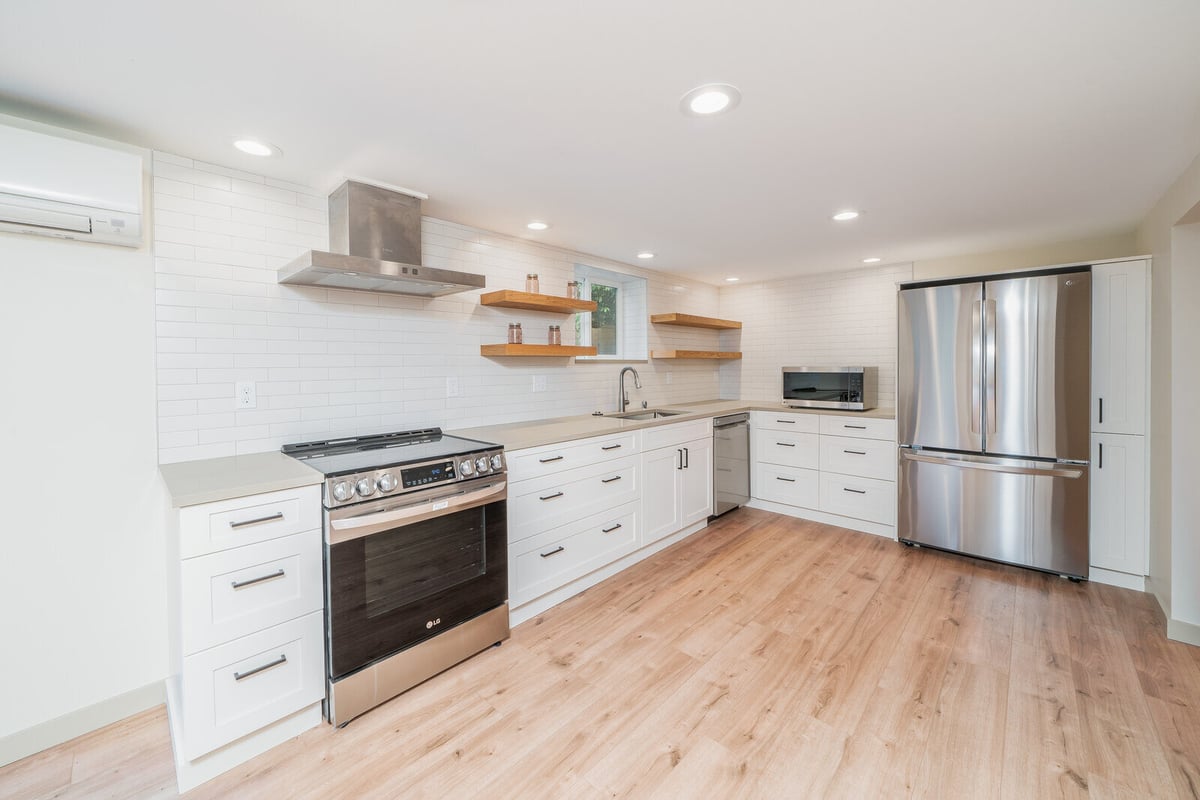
x=213, y=479
x=534, y=433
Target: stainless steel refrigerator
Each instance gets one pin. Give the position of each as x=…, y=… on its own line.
x=992, y=410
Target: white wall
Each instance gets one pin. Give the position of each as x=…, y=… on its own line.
x=336, y=363
x=837, y=318
x=82, y=575
x=1071, y=252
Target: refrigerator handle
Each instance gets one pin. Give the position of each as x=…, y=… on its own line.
x=976, y=363
x=1049, y=471
x=989, y=367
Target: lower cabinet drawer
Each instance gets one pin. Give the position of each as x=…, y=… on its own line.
x=787, y=449
x=546, y=503
x=237, y=592
x=863, y=458
x=789, y=485
x=209, y=527
x=543, y=563
x=860, y=498
x=236, y=688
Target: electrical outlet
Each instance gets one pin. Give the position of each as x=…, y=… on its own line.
x=452, y=387
x=668, y=377
x=539, y=383
x=246, y=396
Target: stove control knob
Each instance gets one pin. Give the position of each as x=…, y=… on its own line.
x=386, y=482
x=497, y=462
x=342, y=491
x=481, y=464
x=365, y=487
x=467, y=467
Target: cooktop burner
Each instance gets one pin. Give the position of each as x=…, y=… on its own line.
x=365, y=467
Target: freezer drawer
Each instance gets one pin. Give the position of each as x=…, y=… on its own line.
x=1029, y=513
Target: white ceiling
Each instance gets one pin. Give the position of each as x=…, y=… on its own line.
x=955, y=126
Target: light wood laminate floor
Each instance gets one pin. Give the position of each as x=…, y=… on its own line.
x=765, y=657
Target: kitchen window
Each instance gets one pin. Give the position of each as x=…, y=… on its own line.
x=617, y=328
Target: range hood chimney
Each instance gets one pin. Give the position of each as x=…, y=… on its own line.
x=375, y=239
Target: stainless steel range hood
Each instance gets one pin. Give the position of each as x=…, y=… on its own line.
x=375, y=244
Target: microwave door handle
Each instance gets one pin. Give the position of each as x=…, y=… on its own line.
x=976, y=364
x=344, y=530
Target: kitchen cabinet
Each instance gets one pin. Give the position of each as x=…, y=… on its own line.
x=1118, y=503
x=1119, y=526
x=1120, y=351
x=832, y=468
x=246, y=628
x=678, y=490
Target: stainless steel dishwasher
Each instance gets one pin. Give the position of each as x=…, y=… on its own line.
x=731, y=462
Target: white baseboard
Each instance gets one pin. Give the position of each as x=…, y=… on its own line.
x=1182, y=631
x=190, y=774
x=65, y=728
x=1114, y=578
x=534, y=607
x=861, y=525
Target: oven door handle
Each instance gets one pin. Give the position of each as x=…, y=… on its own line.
x=343, y=530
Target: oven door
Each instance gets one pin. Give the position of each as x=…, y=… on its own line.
x=401, y=570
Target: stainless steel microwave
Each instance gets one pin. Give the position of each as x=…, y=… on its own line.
x=842, y=388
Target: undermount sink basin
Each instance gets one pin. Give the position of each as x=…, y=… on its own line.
x=654, y=413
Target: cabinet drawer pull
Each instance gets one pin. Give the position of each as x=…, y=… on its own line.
x=854, y=491
x=237, y=676
x=1101, y=410
x=551, y=496
x=258, y=521
x=611, y=528
x=610, y=480
x=555, y=551
x=856, y=452
x=611, y=447
x=259, y=579
x=786, y=444
x=787, y=421
x=1101, y=455
x=856, y=427
x=789, y=480
x=550, y=459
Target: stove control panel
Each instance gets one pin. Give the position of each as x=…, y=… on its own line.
x=396, y=480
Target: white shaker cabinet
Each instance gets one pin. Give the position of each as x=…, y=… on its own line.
x=1118, y=469
x=1120, y=399
x=1120, y=362
x=678, y=489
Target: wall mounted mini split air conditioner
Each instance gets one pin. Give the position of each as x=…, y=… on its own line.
x=67, y=189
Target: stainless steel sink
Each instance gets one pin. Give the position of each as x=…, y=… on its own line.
x=653, y=413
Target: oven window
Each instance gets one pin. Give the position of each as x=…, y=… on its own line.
x=421, y=560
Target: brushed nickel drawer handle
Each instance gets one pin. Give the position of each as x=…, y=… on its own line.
x=854, y=491
x=613, y=528
x=611, y=447
x=237, y=676
x=258, y=521
x=789, y=480
x=856, y=452
x=610, y=480
x=260, y=579
x=555, y=551
x=856, y=427
x=548, y=460
x=786, y=444
x=551, y=496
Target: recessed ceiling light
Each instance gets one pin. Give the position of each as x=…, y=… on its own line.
x=645, y=254
x=872, y=260
x=254, y=147
x=845, y=216
x=731, y=280
x=709, y=99
x=538, y=225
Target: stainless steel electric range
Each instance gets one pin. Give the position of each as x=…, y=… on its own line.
x=416, y=559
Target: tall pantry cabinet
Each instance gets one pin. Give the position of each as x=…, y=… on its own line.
x=1120, y=399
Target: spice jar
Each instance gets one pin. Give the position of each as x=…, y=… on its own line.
x=555, y=335
x=512, y=333
x=531, y=283
x=520, y=334
x=573, y=290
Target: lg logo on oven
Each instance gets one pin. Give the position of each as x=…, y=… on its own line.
x=433, y=622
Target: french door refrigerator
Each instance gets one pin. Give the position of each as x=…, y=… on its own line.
x=992, y=411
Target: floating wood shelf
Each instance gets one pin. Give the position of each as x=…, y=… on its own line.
x=693, y=321
x=535, y=350
x=695, y=354
x=507, y=298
